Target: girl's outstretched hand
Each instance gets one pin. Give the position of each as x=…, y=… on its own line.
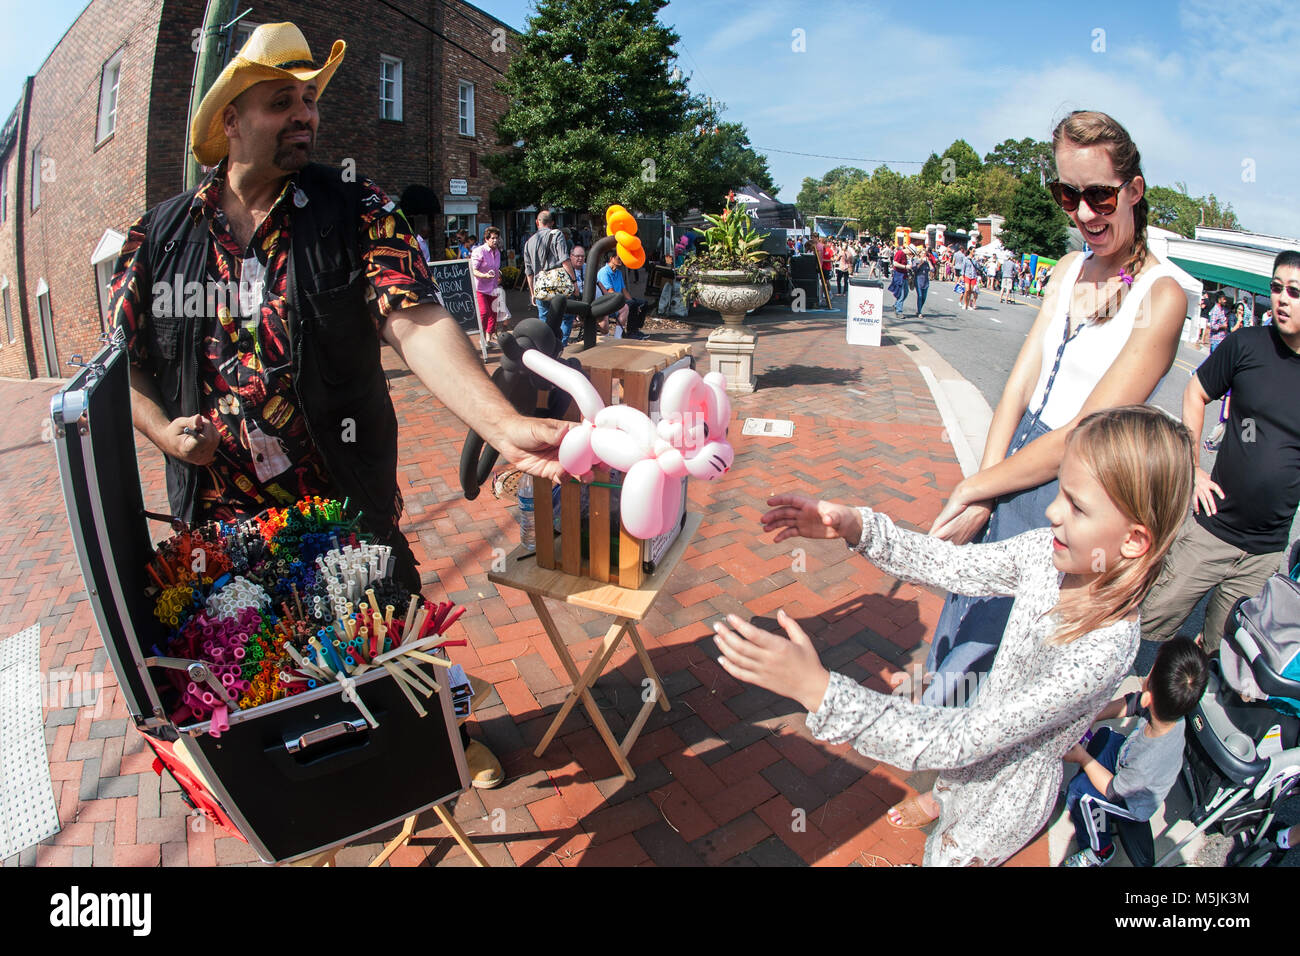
x=790, y=668
x=795, y=516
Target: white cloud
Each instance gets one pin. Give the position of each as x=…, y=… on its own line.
x=1199, y=92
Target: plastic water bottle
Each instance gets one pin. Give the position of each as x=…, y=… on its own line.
x=527, y=531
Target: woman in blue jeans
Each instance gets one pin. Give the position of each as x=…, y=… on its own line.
x=1106, y=334
x=921, y=269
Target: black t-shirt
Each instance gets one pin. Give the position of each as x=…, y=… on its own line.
x=1258, y=466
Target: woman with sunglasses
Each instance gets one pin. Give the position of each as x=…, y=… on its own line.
x=1106, y=333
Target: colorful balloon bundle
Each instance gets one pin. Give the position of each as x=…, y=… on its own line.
x=288, y=601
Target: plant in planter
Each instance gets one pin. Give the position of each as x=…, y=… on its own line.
x=731, y=274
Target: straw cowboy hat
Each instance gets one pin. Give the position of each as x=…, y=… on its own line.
x=274, y=51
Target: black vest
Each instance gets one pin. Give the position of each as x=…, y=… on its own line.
x=338, y=378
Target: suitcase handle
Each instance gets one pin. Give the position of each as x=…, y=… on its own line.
x=313, y=737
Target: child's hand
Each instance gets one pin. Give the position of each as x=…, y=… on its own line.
x=1077, y=754
x=794, y=516
x=790, y=668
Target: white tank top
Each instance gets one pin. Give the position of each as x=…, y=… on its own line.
x=1089, y=353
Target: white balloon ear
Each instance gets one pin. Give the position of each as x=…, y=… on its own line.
x=717, y=405
x=677, y=389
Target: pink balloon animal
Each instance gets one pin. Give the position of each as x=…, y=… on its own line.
x=690, y=438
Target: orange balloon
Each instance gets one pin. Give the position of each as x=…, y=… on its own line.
x=618, y=219
x=632, y=257
x=628, y=239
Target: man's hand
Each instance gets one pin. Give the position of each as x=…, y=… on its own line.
x=795, y=516
x=1203, y=494
x=533, y=445
x=790, y=668
x=193, y=440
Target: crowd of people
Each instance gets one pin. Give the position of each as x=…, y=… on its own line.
x=910, y=267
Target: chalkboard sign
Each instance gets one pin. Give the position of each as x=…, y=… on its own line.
x=457, y=289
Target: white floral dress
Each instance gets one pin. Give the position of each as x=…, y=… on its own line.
x=1001, y=757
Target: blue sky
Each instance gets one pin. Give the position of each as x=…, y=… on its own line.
x=1207, y=89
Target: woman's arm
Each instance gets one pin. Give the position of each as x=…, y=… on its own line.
x=964, y=514
x=1131, y=378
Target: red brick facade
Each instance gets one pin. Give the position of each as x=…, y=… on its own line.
x=89, y=187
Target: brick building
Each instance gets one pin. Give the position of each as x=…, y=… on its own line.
x=100, y=134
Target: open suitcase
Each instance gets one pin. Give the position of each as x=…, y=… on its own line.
x=292, y=777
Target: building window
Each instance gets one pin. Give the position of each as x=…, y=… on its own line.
x=4, y=189
x=47, y=329
x=466, y=108
x=36, y=178
x=243, y=30
x=109, y=78
x=9, y=316
x=456, y=223
x=102, y=260
x=390, y=88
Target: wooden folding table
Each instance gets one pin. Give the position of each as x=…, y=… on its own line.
x=625, y=605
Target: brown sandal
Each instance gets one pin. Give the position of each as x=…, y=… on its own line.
x=912, y=816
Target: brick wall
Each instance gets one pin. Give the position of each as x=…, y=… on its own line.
x=85, y=187
x=13, y=357
x=89, y=187
x=472, y=29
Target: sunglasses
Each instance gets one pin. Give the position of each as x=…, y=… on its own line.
x=1276, y=288
x=1101, y=199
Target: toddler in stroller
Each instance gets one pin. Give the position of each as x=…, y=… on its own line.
x=1243, y=752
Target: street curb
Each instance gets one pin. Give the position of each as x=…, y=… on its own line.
x=951, y=426
x=967, y=429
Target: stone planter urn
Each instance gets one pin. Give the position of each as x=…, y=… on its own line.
x=731, y=345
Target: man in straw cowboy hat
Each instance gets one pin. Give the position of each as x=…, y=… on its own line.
x=253, y=309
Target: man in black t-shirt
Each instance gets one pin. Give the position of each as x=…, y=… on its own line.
x=1232, y=546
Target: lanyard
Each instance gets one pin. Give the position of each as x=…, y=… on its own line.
x=1066, y=338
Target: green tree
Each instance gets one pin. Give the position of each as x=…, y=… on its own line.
x=885, y=200
x=602, y=119
x=1035, y=223
x=1175, y=210
x=965, y=161
x=932, y=171
x=814, y=198
x=713, y=157
x=994, y=190
x=954, y=203
x=1024, y=158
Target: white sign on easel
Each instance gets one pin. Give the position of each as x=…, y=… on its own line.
x=865, y=313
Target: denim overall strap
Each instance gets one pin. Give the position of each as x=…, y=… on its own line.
x=1067, y=337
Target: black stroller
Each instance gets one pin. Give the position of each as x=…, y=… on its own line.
x=1243, y=757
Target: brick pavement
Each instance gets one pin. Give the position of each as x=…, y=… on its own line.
x=729, y=776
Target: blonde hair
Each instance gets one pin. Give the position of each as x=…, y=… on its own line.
x=1093, y=128
x=1144, y=461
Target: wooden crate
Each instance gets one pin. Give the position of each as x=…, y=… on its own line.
x=627, y=367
